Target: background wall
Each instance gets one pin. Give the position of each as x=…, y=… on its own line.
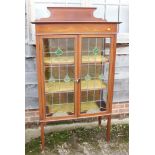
x=112, y=10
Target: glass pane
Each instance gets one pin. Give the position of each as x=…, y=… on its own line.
x=59, y=76
x=94, y=74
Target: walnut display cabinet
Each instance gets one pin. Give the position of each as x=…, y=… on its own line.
x=75, y=65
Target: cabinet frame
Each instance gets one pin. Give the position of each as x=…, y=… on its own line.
x=77, y=27
x=43, y=78
x=77, y=86
x=111, y=71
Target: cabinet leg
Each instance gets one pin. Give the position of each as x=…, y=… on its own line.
x=42, y=137
x=99, y=121
x=108, y=128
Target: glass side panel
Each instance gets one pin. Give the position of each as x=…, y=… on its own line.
x=59, y=71
x=94, y=74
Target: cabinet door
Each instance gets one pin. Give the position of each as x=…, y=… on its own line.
x=95, y=54
x=59, y=74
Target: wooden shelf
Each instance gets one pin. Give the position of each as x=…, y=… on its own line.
x=68, y=108
x=70, y=59
x=54, y=87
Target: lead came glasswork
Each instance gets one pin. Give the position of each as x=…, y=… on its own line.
x=95, y=51
x=59, y=86
x=59, y=52
x=101, y=76
x=67, y=78
x=60, y=80
x=51, y=78
x=94, y=97
x=87, y=77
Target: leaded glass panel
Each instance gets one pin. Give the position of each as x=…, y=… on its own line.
x=59, y=71
x=94, y=73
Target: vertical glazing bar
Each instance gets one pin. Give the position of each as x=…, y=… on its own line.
x=94, y=96
x=46, y=52
x=103, y=67
x=75, y=51
x=101, y=79
x=51, y=79
x=50, y=54
x=59, y=81
x=88, y=69
x=67, y=64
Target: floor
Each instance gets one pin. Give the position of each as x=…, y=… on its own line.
x=80, y=139
x=102, y=148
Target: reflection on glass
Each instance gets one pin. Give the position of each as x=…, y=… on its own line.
x=58, y=51
x=95, y=59
x=59, y=76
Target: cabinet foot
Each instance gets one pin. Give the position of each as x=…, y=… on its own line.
x=108, y=128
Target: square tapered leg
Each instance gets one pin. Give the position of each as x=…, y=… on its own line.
x=108, y=128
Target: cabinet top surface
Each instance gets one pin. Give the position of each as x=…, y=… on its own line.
x=71, y=15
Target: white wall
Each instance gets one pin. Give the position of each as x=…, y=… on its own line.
x=112, y=10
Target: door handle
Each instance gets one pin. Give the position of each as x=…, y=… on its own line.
x=77, y=80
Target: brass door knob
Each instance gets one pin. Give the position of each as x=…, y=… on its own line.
x=77, y=80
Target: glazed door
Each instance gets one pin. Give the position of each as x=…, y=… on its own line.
x=59, y=75
x=95, y=54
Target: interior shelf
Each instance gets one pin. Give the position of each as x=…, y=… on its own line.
x=54, y=87
x=68, y=108
x=70, y=59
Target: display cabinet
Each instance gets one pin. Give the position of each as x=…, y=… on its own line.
x=75, y=65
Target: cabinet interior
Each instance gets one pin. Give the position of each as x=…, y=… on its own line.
x=59, y=75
